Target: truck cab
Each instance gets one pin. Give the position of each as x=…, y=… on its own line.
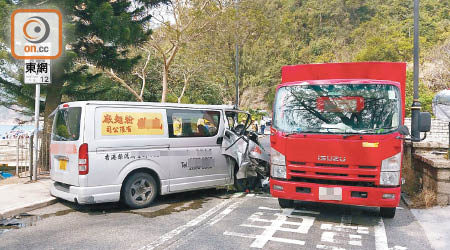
x=335, y=135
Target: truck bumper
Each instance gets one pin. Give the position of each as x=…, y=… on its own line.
x=296, y=191
x=86, y=195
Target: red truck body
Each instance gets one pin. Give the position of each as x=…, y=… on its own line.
x=350, y=162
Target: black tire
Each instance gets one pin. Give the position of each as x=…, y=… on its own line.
x=242, y=185
x=387, y=212
x=285, y=203
x=139, y=190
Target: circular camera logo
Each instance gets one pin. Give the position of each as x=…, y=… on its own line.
x=36, y=29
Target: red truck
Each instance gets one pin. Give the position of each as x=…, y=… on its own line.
x=337, y=134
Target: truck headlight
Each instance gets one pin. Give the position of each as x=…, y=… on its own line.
x=392, y=163
x=389, y=178
x=278, y=164
x=277, y=158
x=278, y=171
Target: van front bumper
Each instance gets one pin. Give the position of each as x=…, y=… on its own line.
x=295, y=191
x=86, y=195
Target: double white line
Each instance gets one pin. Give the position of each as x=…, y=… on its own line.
x=168, y=236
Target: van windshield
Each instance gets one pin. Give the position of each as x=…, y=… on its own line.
x=338, y=109
x=66, y=125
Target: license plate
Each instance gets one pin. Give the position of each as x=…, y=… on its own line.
x=62, y=164
x=330, y=194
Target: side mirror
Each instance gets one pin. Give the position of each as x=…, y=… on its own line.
x=403, y=130
x=424, y=122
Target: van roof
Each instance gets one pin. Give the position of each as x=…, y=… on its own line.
x=153, y=104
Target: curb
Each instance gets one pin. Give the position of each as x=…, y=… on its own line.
x=18, y=210
x=406, y=200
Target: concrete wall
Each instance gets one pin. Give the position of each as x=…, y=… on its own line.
x=438, y=133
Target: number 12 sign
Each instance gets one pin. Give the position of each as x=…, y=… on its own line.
x=37, y=71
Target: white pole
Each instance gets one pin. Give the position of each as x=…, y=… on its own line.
x=17, y=156
x=36, y=130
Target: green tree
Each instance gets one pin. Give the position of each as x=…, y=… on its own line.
x=96, y=32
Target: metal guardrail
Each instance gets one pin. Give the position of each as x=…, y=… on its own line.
x=16, y=156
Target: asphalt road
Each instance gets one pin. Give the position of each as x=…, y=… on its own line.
x=214, y=219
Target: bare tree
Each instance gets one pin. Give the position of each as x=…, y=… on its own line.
x=182, y=22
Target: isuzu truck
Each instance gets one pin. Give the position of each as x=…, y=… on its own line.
x=338, y=132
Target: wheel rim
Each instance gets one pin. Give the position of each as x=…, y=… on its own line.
x=141, y=191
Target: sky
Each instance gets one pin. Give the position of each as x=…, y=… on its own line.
x=7, y=116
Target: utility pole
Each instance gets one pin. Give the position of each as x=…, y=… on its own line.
x=236, y=70
x=415, y=108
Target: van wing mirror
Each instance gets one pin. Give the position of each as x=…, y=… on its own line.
x=424, y=122
x=403, y=130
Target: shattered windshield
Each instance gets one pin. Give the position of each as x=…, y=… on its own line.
x=338, y=109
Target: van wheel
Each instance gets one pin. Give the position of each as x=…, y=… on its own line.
x=139, y=190
x=387, y=212
x=242, y=185
x=285, y=203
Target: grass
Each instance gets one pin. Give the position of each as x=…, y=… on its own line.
x=425, y=199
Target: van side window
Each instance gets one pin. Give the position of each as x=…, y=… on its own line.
x=192, y=123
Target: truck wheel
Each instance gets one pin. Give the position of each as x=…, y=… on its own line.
x=245, y=184
x=387, y=212
x=285, y=203
x=139, y=190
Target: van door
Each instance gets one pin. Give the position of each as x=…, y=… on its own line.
x=195, y=154
x=66, y=138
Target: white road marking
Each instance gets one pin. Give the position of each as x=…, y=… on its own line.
x=168, y=236
x=224, y=213
x=328, y=237
x=355, y=242
x=355, y=236
x=270, y=209
x=274, y=226
x=265, y=197
x=329, y=247
x=288, y=212
x=398, y=248
x=250, y=195
x=344, y=233
x=267, y=235
x=344, y=228
x=380, y=236
x=252, y=236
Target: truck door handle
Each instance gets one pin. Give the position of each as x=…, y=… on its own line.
x=219, y=140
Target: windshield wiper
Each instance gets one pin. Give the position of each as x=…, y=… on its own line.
x=299, y=131
x=377, y=130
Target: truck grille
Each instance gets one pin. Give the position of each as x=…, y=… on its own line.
x=333, y=174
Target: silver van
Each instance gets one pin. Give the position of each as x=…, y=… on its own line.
x=131, y=152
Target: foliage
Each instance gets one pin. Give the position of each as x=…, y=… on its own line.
x=97, y=33
x=270, y=34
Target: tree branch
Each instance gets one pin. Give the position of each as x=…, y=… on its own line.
x=113, y=76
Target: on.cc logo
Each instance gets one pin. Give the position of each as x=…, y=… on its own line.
x=36, y=29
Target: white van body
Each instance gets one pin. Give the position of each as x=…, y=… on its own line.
x=122, y=138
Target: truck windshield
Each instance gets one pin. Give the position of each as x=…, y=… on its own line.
x=66, y=125
x=338, y=109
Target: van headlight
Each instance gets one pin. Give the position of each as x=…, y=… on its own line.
x=392, y=163
x=389, y=178
x=278, y=164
